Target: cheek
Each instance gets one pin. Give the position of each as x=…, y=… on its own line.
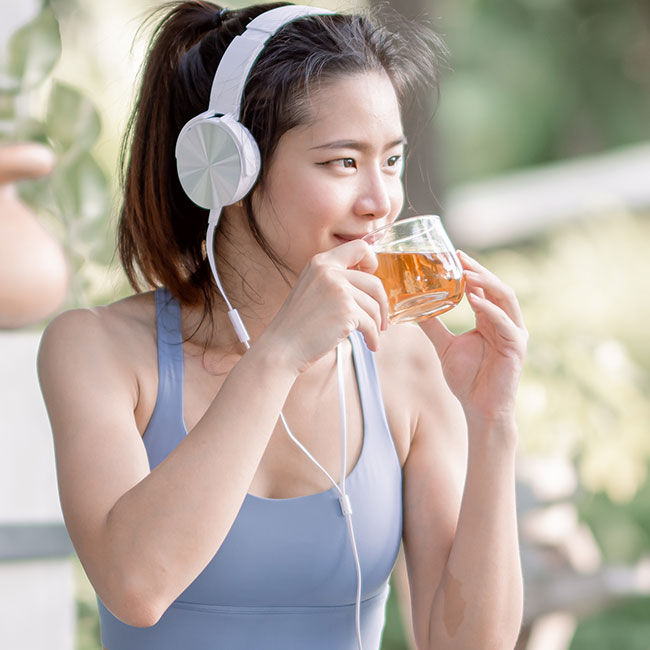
x=396, y=194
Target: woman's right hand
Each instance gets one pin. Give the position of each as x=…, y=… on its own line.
x=334, y=295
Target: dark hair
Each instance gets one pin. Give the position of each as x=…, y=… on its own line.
x=161, y=231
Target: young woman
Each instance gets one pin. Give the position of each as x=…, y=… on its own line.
x=199, y=521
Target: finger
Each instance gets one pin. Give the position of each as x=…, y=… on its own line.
x=483, y=282
x=370, y=306
x=469, y=288
x=438, y=334
x=503, y=325
x=355, y=253
x=368, y=327
x=373, y=286
x=488, y=286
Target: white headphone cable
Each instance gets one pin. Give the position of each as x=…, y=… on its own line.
x=346, y=507
x=344, y=500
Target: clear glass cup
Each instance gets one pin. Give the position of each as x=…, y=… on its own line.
x=418, y=267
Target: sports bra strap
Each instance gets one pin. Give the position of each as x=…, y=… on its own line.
x=167, y=417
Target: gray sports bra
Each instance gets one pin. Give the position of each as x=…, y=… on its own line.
x=284, y=578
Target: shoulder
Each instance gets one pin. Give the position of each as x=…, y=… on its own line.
x=410, y=367
x=114, y=338
x=124, y=322
x=415, y=392
x=407, y=347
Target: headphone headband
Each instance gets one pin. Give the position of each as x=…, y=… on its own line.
x=217, y=158
x=243, y=51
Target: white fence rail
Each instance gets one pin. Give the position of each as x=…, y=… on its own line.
x=519, y=206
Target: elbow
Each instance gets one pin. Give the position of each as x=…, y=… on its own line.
x=134, y=606
x=142, y=615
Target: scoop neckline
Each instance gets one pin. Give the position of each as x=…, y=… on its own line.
x=322, y=493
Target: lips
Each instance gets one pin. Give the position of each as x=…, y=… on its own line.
x=346, y=238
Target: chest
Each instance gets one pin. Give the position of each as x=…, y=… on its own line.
x=311, y=411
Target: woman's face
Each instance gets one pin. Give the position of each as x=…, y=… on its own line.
x=338, y=176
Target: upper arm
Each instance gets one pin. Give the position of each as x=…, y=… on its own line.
x=433, y=477
x=90, y=392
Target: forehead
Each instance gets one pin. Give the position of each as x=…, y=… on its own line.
x=360, y=107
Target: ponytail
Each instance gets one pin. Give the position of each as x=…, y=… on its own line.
x=161, y=231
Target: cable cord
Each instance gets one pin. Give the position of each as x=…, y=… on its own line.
x=345, y=504
x=344, y=500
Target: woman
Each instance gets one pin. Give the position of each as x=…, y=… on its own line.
x=199, y=522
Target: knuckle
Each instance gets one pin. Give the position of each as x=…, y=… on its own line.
x=317, y=261
x=326, y=275
x=363, y=245
x=378, y=285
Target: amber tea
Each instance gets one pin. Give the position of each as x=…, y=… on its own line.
x=419, y=284
x=418, y=267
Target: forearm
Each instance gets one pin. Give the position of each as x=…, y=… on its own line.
x=478, y=603
x=161, y=533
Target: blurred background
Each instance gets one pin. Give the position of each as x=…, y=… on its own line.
x=536, y=155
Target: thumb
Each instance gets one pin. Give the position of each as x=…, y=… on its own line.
x=437, y=333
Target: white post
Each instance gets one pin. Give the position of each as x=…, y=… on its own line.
x=37, y=592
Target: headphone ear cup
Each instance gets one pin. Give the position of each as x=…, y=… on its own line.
x=218, y=161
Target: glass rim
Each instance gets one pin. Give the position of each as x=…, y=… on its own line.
x=407, y=220
x=372, y=238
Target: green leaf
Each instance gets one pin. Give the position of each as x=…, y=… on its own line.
x=33, y=52
x=82, y=194
x=73, y=121
x=7, y=115
x=7, y=108
x=30, y=129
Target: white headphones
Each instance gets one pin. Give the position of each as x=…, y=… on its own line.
x=217, y=158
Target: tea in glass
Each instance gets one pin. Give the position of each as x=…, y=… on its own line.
x=419, y=268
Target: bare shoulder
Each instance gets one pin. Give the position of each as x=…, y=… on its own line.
x=409, y=364
x=407, y=347
x=120, y=326
x=117, y=339
x=416, y=395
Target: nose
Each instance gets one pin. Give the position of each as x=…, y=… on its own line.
x=378, y=195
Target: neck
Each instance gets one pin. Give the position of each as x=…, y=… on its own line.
x=255, y=286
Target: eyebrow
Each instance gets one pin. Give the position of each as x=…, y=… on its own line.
x=358, y=146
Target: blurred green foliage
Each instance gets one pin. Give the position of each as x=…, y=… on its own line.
x=584, y=390
x=535, y=81
x=583, y=394
x=88, y=633
x=75, y=200
x=31, y=53
x=624, y=627
x=394, y=637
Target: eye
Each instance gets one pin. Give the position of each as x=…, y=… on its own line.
x=395, y=164
x=341, y=163
x=347, y=163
